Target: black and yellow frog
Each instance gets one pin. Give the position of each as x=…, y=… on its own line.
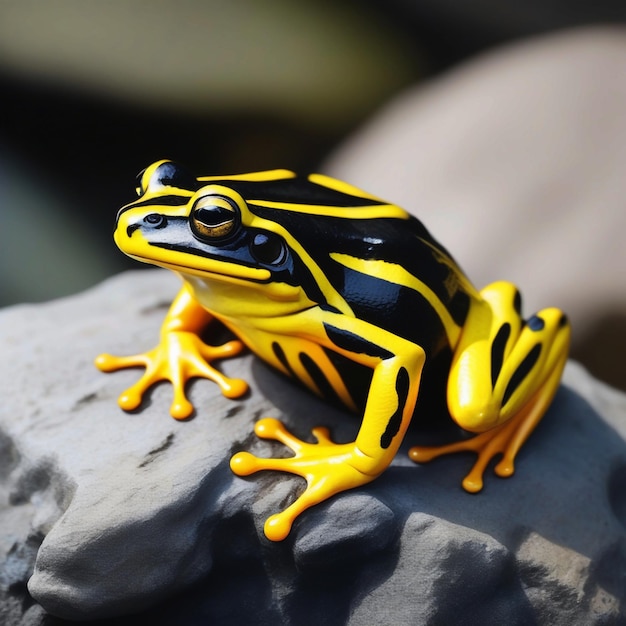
x=348, y=295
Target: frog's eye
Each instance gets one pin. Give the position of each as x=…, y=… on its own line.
x=213, y=217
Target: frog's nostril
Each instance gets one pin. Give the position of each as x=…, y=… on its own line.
x=156, y=220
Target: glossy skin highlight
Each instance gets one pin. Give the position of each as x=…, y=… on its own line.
x=351, y=297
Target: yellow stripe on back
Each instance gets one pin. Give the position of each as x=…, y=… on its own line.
x=254, y=177
x=393, y=273
x=448, y=262
x=342, y=187
x=358, y=213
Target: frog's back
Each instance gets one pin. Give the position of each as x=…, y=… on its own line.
x=382, y=260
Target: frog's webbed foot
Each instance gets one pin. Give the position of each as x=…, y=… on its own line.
x=328, y=468
x=180, y=356
x=505, y=439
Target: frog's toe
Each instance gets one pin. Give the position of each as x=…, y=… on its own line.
x=505, y=468
x=104, y=362
x=129, y=400
x=244, y=464
x=322, y=434
x=181, y=408
x=232, y=388
x=228, y=349
x=271, y=428
x=110, y=363
x=195, y=365
x=473, y=482
x=278, y=526
x=420, y=454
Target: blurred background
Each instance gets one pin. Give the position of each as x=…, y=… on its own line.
x=397, y=97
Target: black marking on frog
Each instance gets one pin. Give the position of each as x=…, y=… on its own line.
x=354, y=343
x=497, y=351
x=395, y=421
x=319, y=378
x=521, y=372
x=282, y=357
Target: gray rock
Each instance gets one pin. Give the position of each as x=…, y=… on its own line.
x=141, y=513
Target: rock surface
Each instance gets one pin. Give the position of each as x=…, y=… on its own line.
x=140, y=513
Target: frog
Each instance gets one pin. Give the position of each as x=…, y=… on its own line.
x=349, y=296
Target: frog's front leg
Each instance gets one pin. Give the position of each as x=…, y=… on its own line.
x=503, y=378
x=180, y=355
x=329, y=467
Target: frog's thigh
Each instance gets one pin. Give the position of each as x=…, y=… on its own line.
x=503, y=378
x=502, y=362
x=492, y=326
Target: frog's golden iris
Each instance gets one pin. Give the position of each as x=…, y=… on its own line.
x=212, y=218
x=350, y=296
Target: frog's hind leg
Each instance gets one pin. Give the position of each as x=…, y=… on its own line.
x=504, y=376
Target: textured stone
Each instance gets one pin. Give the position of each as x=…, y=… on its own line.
x=342, y=532
x=140, y=511
x=448, y=575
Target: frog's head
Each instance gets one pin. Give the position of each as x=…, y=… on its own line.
x=266, y=236
x=205, y=230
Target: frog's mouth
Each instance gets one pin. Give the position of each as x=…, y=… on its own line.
x=181, y=255
x=258, y=279
x=205, y=267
